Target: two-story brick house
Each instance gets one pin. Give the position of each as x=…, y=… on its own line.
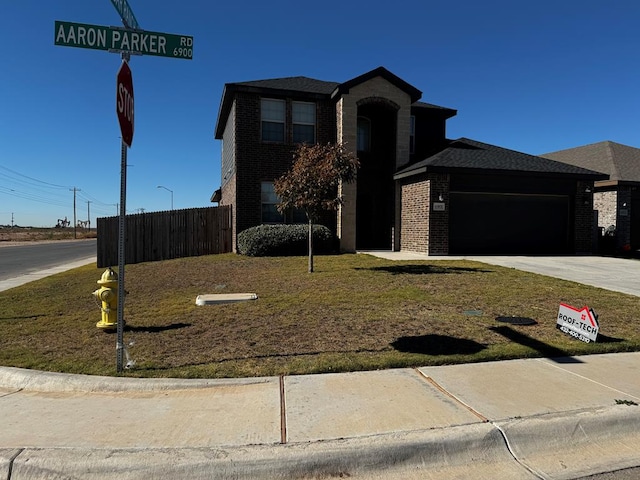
x=416, y=190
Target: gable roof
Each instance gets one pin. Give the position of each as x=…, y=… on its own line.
x=314, y=89
x=620, y=162
x=470, y=156
x=412, y=91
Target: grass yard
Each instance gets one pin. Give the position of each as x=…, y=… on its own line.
x=356, y=312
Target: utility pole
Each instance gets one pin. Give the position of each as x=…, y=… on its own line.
x=89, y=214
x=11, y=219
x=74, y=190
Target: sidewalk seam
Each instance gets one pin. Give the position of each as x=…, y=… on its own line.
x=283, y=413
x=441, y=389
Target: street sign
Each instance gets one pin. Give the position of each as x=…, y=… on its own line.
x=124, y=102
x=126, y=14
x=118, y=40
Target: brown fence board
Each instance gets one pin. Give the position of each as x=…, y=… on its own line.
x=165, y=235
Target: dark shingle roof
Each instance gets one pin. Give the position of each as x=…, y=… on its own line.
x=314, y=89
x=296, y=84
x=448, y=112
x=477, y=157
x=620, y=162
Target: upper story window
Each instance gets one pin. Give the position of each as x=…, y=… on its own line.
x=412, y=134
x=303, y=115
x=272, y=116
x=364, y=134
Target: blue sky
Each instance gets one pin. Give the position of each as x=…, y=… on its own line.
x=531, y=76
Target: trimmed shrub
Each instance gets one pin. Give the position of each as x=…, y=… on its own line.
x=284, y=240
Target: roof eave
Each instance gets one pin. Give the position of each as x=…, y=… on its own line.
x=486, y=171
x=231, y=89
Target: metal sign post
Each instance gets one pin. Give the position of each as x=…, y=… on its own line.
x=130, y=40
x=125, y=113
x=121, y=257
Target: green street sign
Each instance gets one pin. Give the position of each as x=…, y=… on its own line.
x=118, y=40
x=126, y=14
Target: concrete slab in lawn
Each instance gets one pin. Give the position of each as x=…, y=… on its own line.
x=227, y=414
x=500, y=390
x=220, y=298
x=321, y=407
x=620, y=371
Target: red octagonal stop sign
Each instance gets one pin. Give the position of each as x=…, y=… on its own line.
x=124, y=102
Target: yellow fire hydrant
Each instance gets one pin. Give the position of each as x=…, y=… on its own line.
x=107, y=294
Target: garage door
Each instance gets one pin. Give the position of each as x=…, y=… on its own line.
x=499, y=223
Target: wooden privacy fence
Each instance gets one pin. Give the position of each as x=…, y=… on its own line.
x=165, y=235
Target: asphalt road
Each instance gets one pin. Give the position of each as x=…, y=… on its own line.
x=18, y=260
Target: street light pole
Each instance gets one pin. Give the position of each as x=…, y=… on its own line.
x=170, y=191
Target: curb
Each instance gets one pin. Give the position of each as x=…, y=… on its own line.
x=574, y=444
x=442, y=453
x=40, y=381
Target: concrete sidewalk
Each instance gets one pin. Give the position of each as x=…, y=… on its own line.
x=521, y=419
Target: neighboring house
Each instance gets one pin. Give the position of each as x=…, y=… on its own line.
x=617, y=200
x=416, y=190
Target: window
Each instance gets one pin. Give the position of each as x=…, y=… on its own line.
x=364, y=134
x=272, y=116
x=270, y=213
x=412, y=134
x=304, y=122
x=269, y=200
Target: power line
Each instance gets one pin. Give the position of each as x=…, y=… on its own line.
x=40, y=195
x=33, y=179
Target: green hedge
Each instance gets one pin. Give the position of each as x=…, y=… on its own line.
x=282, y=240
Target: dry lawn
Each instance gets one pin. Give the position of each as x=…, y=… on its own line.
x=355, y=312
x=10, y=235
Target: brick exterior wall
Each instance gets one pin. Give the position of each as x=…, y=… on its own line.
x=228, y=197
x=439, y=220
x=414, y=219
x=606, y=203
x=614, y=208
x=256, y=161
x=623, y=225
x=583, y=219
x=228, y=174
x=423, y=229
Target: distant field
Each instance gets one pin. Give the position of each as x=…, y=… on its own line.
x=33, y=234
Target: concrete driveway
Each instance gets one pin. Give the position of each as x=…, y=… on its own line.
x=617, y=274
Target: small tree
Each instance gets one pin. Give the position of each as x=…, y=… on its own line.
x=312, y=182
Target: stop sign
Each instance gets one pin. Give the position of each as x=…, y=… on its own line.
x=124, y=102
